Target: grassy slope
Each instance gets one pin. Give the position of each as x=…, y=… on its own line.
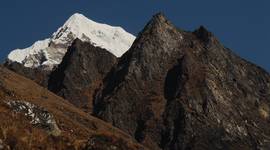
x=76, y=126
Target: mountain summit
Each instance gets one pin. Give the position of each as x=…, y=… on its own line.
x=49, y=52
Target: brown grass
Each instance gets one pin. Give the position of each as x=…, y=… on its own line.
x=76, y=126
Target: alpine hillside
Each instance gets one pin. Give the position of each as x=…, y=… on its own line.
x=35, y=118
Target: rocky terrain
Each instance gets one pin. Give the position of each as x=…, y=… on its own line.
x=172, y=90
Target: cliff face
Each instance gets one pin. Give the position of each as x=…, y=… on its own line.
x=184, y=90
x=80, y=73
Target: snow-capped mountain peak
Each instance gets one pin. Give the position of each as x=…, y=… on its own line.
x=49, y=52
x=115, y=39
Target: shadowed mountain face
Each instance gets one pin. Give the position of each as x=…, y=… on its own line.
x=80, y=73
x=182, y=90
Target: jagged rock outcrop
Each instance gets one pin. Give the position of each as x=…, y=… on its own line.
x=80, y=73
x=37, y=116
x=177, y=90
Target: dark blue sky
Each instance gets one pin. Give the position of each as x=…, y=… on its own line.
x=242, y=25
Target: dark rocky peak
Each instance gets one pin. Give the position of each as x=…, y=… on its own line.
x=80, y=73
x=159, y=16
x=159, y=28
x=177, y=90
x=158, y=32
x=160, y=19
x=149, y=55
